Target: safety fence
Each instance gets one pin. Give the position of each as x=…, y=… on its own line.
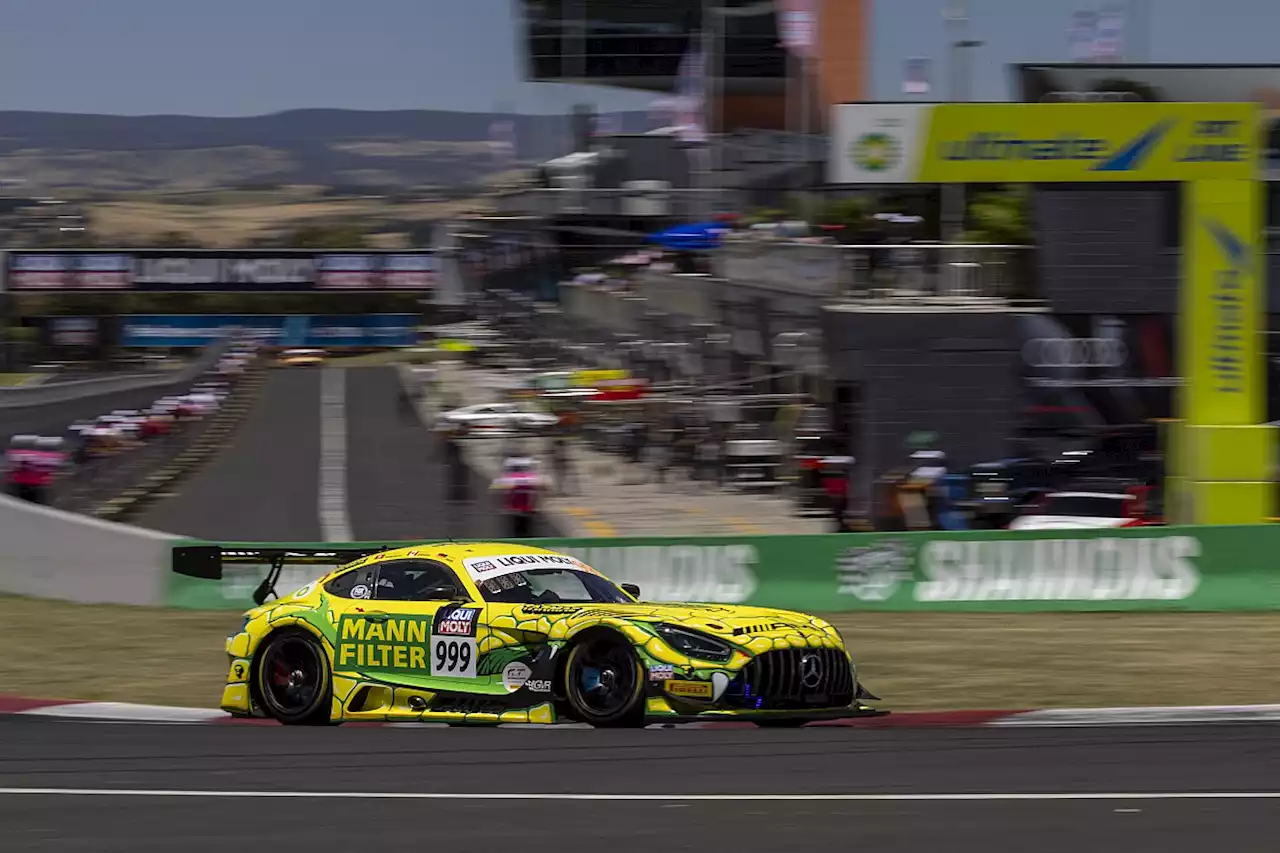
x=1204, y=568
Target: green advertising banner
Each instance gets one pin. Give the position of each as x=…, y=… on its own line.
x=1145, y=568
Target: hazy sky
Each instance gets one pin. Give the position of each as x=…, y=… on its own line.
x=246, y=57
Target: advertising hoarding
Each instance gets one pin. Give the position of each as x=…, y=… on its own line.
x=1035, y=143
x=222, y=271
x=318, y=332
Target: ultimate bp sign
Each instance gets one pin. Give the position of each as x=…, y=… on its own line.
x=1221, y=455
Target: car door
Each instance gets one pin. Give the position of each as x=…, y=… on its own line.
x=412, y=623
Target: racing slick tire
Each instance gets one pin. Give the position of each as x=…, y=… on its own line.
x=292, y=679
x=604, y=682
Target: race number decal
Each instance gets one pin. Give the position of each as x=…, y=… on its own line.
x=454, y=653
x=453, y=656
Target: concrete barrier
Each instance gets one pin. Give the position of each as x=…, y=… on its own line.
x=49, y=553
x=22, y=397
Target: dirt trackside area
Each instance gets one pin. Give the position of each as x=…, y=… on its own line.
x=915, y=661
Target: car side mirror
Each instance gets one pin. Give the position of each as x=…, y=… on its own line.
x=631, y=590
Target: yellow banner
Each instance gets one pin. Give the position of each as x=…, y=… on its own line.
x=594, y=378
x=1223, y=299
x=1126, y=141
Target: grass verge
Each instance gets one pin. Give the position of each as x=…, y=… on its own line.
x=915, y=661
x=10, y=380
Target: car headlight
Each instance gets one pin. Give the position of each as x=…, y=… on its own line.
x=694, y=644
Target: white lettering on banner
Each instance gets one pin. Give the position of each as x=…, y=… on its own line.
x=176, y=271
x=269, y=270
x=1075, y=352
x=506, y=564
x=198, y=271
x=722, y=574
x=1104, y=569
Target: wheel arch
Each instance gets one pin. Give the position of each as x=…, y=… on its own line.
x=587, y=633
x=274, y=629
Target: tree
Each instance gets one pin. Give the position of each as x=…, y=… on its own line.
x=176, y=240
x=327, y=237
x=852, y=214
x=1001, y=216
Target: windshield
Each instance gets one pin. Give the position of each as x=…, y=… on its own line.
x=551, y=586
x=1086, y=506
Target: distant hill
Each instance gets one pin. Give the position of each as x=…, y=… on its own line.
x=344, y=149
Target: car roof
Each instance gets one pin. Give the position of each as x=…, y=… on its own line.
x=453, y=553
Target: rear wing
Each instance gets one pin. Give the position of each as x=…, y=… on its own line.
x=206, y=561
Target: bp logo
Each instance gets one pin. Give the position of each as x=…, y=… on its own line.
x=876, y=152
x=874, y=572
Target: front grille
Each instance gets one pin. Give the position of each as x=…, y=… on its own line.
x=775, y=681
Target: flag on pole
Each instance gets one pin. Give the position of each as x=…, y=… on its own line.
x=915, y=80
x=691, y=91
x=1108, y=44
x=502, y=140
x=1081, y=35
x=797, y=24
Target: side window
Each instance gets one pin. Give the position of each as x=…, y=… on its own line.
x=357, y=583
x=417, y=580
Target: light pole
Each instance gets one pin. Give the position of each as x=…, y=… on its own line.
x=956, y=16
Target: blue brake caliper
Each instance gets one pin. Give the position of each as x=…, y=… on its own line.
x=590, y=679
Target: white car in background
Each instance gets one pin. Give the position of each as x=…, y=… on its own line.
x=500, y=416
x=1081, y=511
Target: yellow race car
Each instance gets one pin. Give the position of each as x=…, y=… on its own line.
x=490, y=633
x=303, y=357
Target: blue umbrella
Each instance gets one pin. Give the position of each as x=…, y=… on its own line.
x=699, y=236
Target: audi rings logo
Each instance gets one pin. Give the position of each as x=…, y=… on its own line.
x=1075, y=352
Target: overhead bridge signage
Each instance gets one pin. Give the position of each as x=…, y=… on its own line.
x=222, y=271
x=1030, y=143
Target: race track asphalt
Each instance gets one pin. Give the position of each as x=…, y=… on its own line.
x=397, y=478
x=352, y=764
x=263, y=486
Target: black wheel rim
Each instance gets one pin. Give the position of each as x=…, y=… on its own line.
x=291, y=673
x=604, y=678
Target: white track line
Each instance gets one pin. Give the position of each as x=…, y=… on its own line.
x=665, y=798
x=126, y=712
x=335, y=522
x=1069, y=717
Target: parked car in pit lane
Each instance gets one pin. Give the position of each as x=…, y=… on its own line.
x=492, y=633
x=1086, y=510
x=500, y=416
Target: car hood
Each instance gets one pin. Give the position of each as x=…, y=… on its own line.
x=732, y=622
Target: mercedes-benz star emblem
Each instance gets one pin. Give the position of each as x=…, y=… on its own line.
x=810, y=671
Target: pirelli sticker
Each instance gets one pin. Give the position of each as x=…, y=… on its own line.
x=689, y=689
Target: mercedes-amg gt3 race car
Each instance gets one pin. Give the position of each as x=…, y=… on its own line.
x=492, y=633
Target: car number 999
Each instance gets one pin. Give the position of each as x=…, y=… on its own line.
x=453, y=657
